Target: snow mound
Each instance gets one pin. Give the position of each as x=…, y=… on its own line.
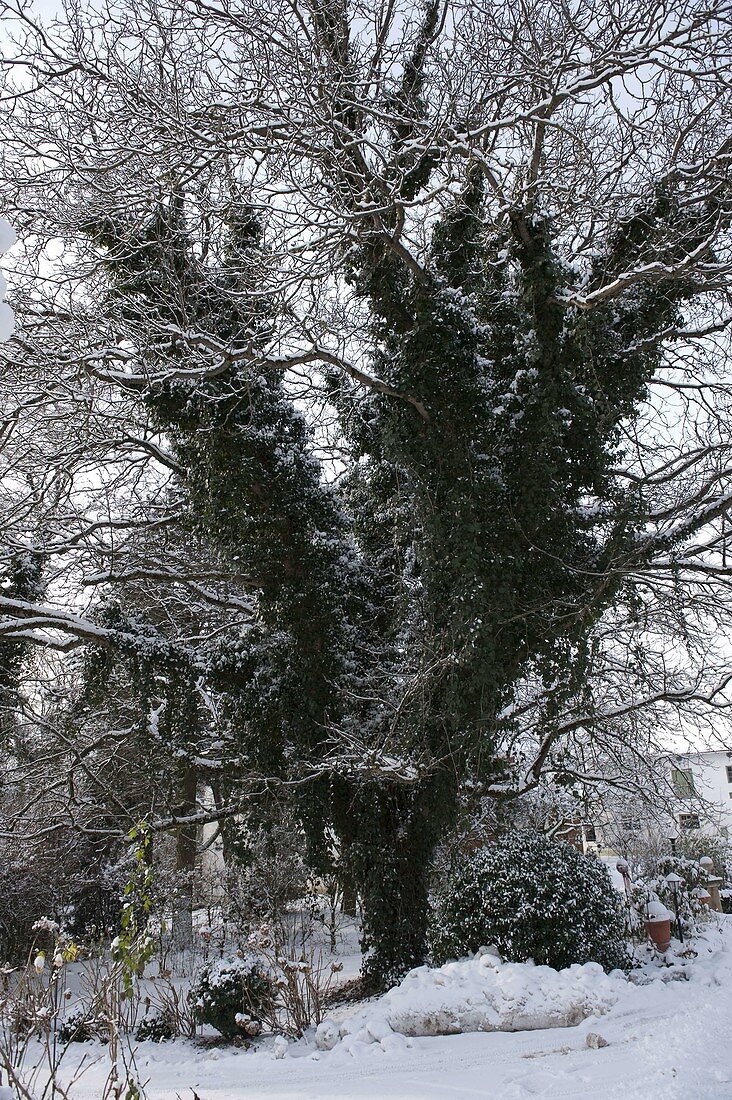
x=479, y=994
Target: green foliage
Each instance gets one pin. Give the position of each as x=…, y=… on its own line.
x=20, y=579
x=133, y=947
x=253, y=488
x=522, y=430
x=694, y=878
x=138, y=670
x=694, y=845
x=80, y=1027
x=389, y=831
x=533, y=898
x=512, y=514
x=157, y=1027
x=472, y=542
x=690, y=870
x=226, y=988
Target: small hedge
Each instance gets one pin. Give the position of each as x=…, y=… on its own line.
x=81, y=1026
x=229, y=988
x=533, y=898
x=157, y=1027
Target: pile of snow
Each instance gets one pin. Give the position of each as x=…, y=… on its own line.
x=7, y=320
x=479, y=994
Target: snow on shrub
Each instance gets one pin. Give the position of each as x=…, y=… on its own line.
x=692, y=912
x=534, y=898
x=227, y=991
x=83, y=1026
x=479, y=994
x=157, y=1027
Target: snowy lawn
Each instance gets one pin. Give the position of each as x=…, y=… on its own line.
x=666, y=1039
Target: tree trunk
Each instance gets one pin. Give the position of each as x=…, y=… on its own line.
x=395, y=829
x=349, y=899
x=185, y=864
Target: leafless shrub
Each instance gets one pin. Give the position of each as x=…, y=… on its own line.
x=304, y=979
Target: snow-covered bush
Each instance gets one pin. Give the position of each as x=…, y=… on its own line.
x=157, y=1027
x=533, y=898
x=226, y=990
x=83, y=1026
x=695, y=845
x=692, y=912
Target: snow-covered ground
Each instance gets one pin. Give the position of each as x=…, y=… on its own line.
x=666, y=1040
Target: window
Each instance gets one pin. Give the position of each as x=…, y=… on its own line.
x=729, y=773
x=688, y=822
x=590, y=834
x=682, y=781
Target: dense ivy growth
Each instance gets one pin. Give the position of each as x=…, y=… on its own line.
x=467, y=546
x=22, y=579
x=503, y=495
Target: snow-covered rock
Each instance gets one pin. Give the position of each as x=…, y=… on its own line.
x=478, y=994
x=280, y=1047
x=326, y=1035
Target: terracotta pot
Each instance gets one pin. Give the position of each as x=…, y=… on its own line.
x=659, y=932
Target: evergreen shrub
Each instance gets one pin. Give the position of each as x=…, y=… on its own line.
x=157, y=1027
x=695, y=845
x=694, y=877
x=81, y=1026
x=226, y=988
x=532, y=897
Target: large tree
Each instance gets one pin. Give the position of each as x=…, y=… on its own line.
x=423, y=314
